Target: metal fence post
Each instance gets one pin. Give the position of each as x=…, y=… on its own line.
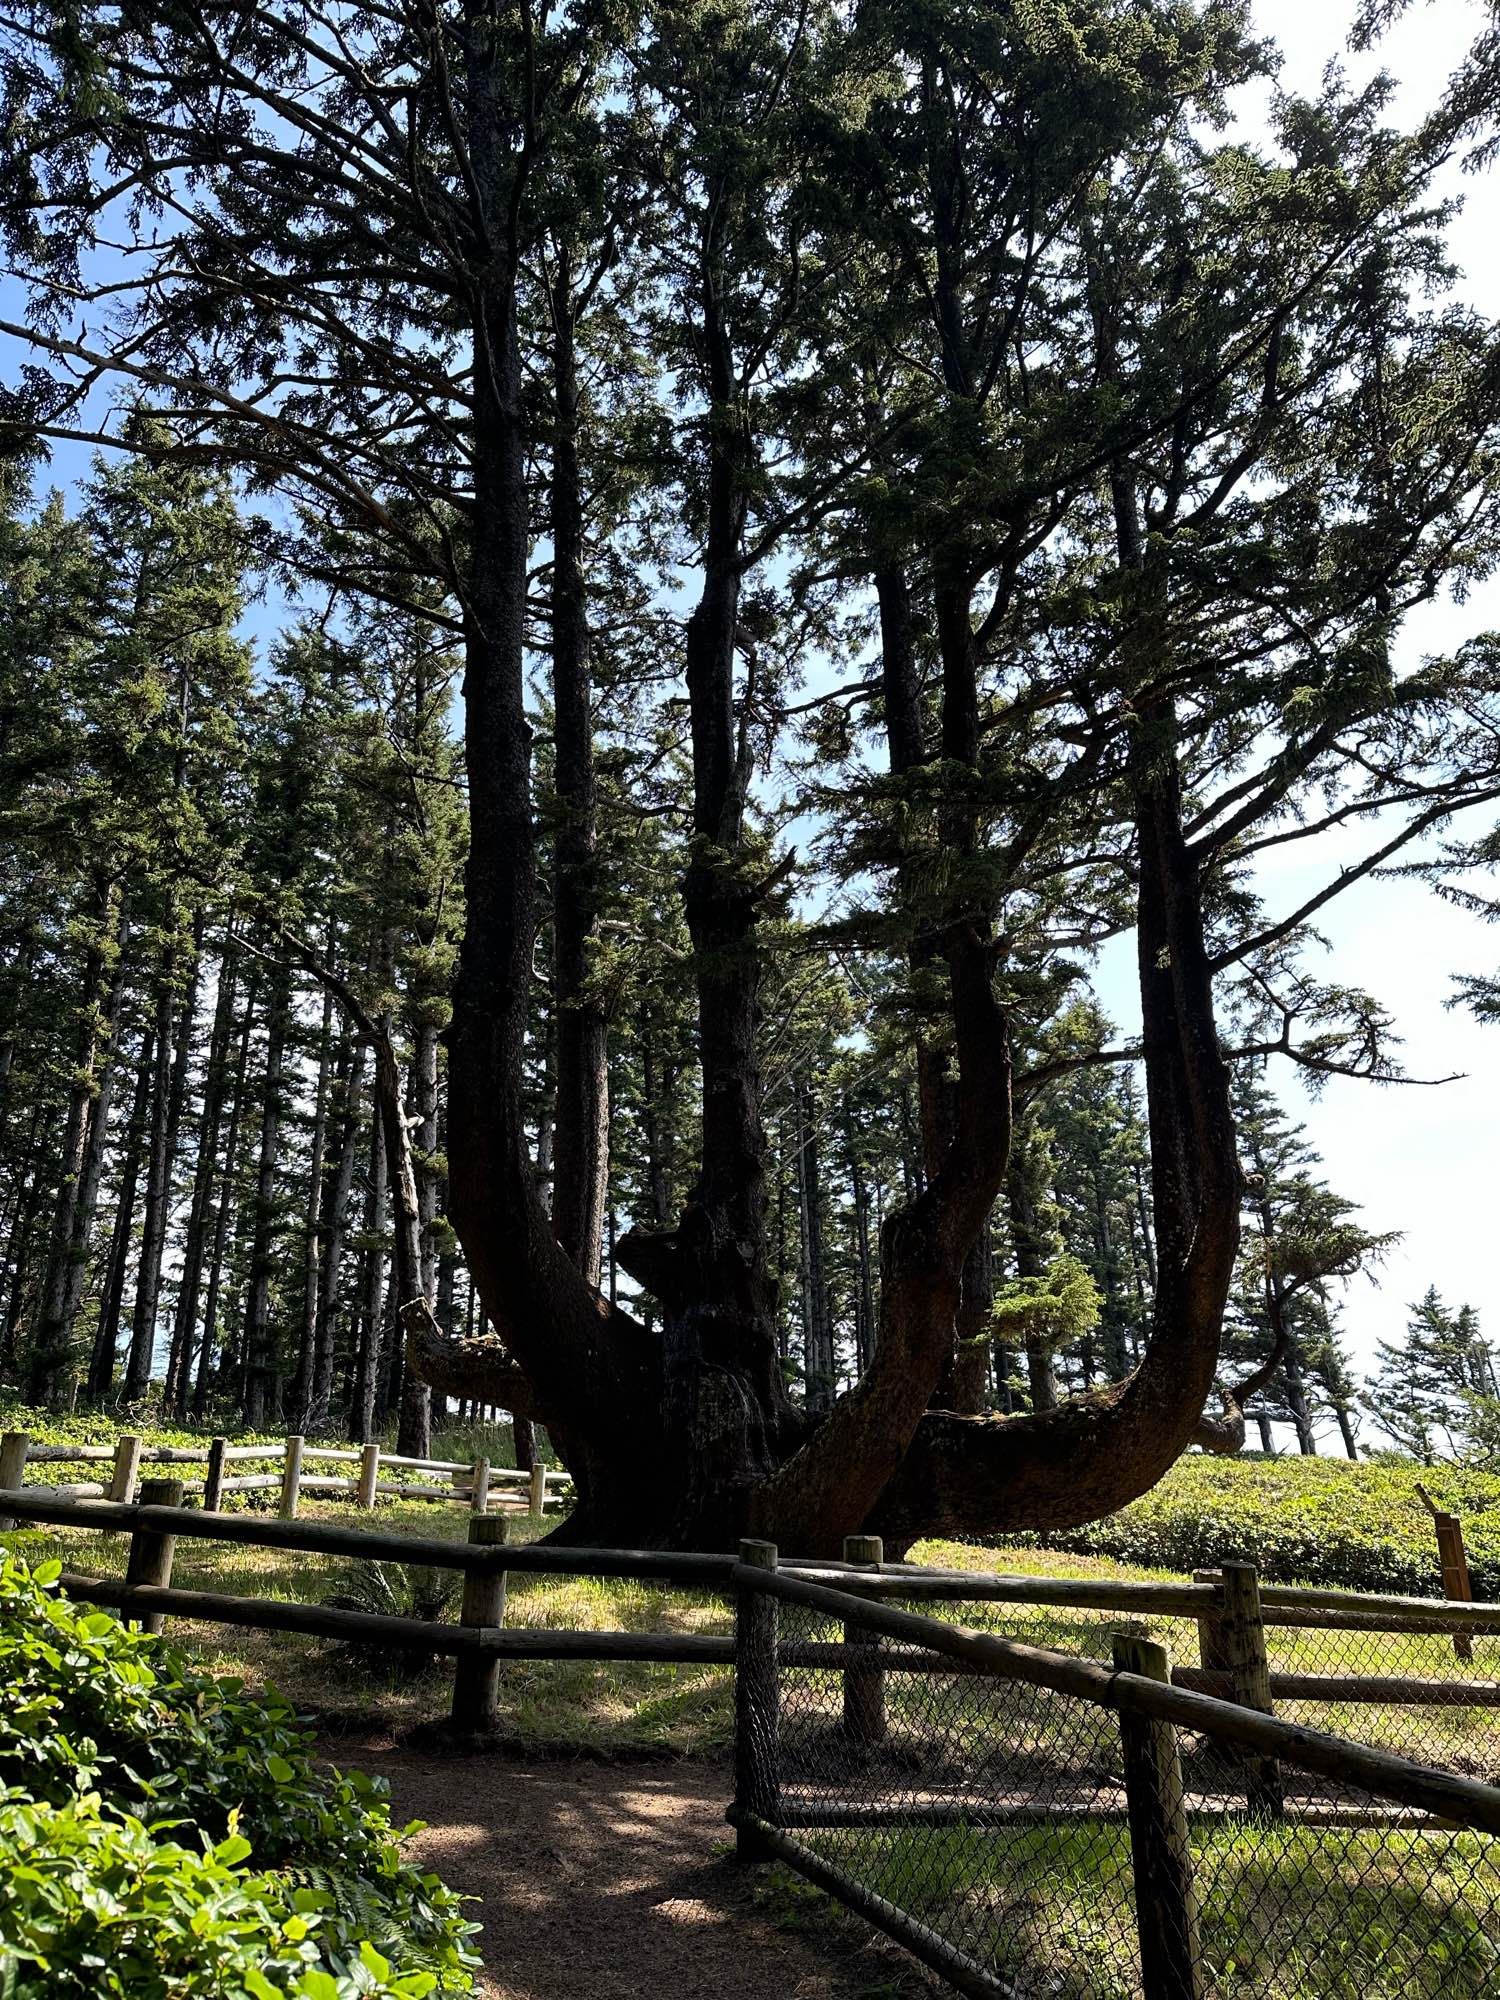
x=1245, y=1643
x=476, y=1676
x=757, y=1701
x=14, y=1446
x=864, y=1680
x=1165, y=1900
x=127, y=1466
x=151, y=1551
x=213, y=1479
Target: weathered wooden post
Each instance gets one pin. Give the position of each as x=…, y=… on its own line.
x=291, y=1479
x=476, y=1676
x=757, y=1706
x=1165, y=1900
x=864, y=1680
x=537, y=1499
x=151, y=1550
x=14, y=1446
x=1453, y=1559
x=479, y=1489
x=1250, y=1671
x=369, y=1476
x=1212, y=1650
x=127, y=1468
x=213, y=1478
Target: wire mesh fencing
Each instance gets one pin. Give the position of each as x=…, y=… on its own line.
x=1031, y=1823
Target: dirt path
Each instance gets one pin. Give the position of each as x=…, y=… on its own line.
x=613, y=1882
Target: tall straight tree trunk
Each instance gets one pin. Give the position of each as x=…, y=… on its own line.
x=414, y=1427
x=83, y=1145
x=225, y=1206
x=299, y=1395
x=21, y=1243
x=195, y=1242
x=372, y=1293
x=818, y=1364
x=111, y=1305
x=173, y=1058
x=581, y=1146
x=864, y=1262
x=334, y=1237
x=259, y=1334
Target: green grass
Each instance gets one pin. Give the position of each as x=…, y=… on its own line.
x=1300, y=1914
x=1289, y=1914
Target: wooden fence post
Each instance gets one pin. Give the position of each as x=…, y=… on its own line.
x=151, y=1551
x=864, y=1681
x=14, y=1446
x=476, y=1676
x=291, y=1479
x=1213, y=1652
x=213, y=1479
x=1245, y=1641
x=479, y=1491
x=757, y=1705
x=127, y=1467
x=369, y=1475
x=1165, y=1901
x=1453, y=1558
x=537, y=1497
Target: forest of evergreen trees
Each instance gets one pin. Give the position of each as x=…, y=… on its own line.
x=195, y=1201
x=801, y=527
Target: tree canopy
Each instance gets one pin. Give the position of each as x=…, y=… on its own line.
x=913, y=495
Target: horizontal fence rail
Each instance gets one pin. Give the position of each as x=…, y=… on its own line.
x=477, y=1484
x=1028, y=1822
x=864, y=1729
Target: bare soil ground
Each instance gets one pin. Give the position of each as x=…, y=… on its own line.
x=600, y=1881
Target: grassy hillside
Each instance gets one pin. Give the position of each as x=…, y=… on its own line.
x=1303, y=1520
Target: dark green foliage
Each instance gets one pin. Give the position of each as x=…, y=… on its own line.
x=395, y=1590
x=190, y=1814
x=1316, y=1521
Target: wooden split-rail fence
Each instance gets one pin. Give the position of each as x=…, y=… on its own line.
x=1227, y=1702
x=289, y=1471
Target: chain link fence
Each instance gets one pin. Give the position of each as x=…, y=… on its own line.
x=1032, y=1823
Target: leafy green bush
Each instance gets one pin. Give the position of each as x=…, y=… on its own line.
x=163, y=1833
x=1304, y=1520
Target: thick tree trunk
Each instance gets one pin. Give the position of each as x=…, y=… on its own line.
x=372, y=1292
x=1090, y=1456
x=590, y=1364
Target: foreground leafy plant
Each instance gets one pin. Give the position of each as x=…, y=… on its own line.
x=151, y=1812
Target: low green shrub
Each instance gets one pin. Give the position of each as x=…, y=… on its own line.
x=164, y=1833
x=1321, y=1521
